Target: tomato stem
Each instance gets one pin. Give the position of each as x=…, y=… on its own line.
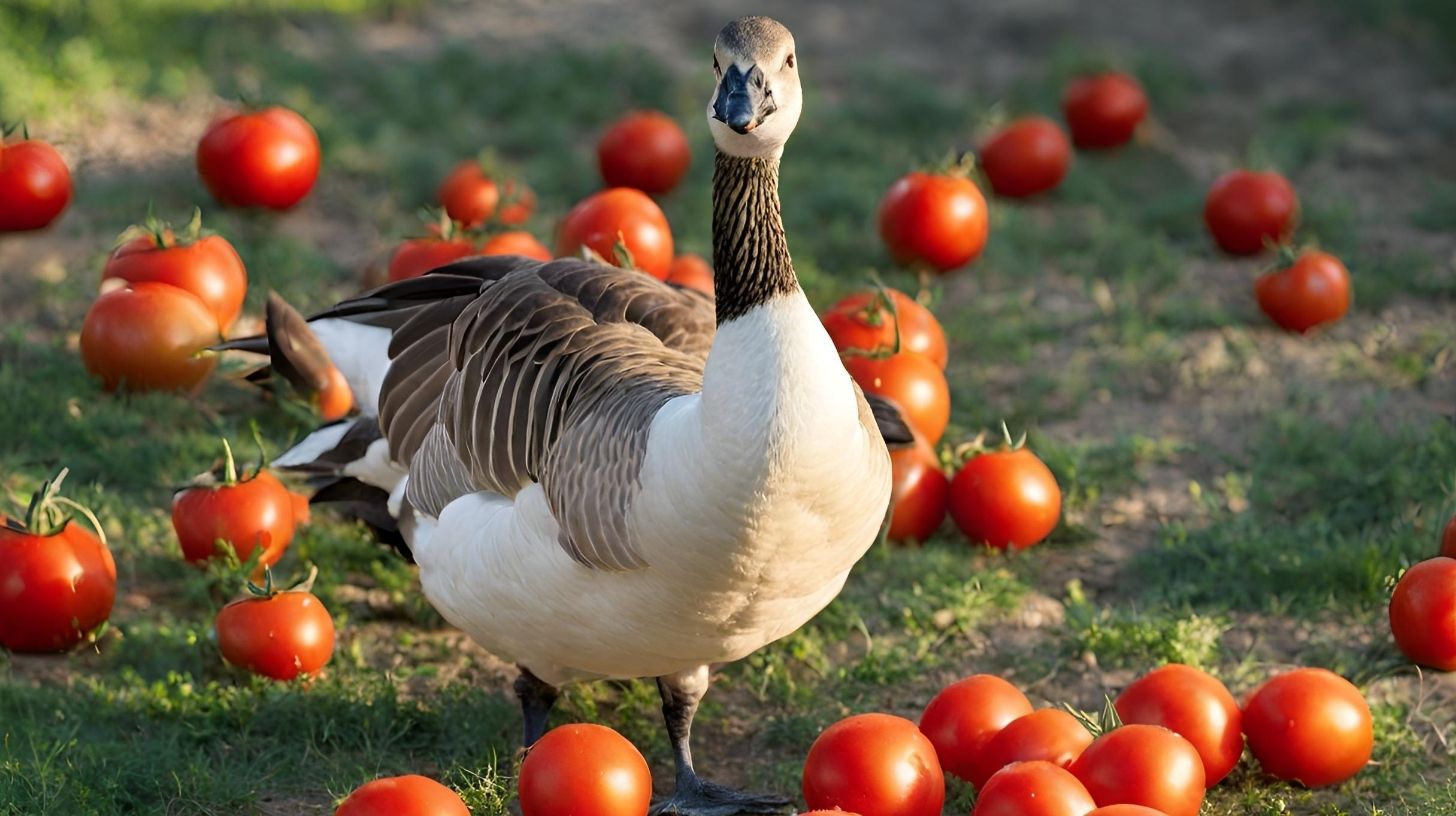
x=230, y=468
x=622, y=253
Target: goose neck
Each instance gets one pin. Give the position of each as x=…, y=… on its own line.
x=750, y=251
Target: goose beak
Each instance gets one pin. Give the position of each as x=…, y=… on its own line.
x=739, y=104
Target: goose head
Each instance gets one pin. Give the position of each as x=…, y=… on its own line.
x=757, y=99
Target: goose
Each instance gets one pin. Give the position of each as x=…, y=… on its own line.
x=603, y=476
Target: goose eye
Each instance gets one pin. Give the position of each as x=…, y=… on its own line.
x=789, y=63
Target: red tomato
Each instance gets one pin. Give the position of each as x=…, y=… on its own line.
x=57, y=579
x=207, y=267
x=1244, y=210
x=916, y=385
x=416, y=256
x=1423, y=613
x=149, y=336
x=518, y=202
x=1126, y=810
x=584, y=769
x=1143, y=765
x=1033, y=789
x=264, y=158
x=1027, y=157
x=35, y=185
x=468, y=195
x=301, y=510
x=919, y=494
x=1448, y=539
x=645, y=150
x=335, y=400
x=598, y=220
x=517, y=242
x=874, y=764
x=1194, y=705
x=282, y=636
x=246, y=515
x=965, y=716
x=1104, y=110
x=863, y=321
x=1005, y=499
x=1314, y=290
x=691, y=271
x=934, y=221
x=1046, y=735
x=403, y=796
x=1309, y=726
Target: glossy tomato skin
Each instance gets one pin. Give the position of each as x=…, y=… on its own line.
x=210, y=269
x=1194, y=705
x=1033, y=788
x=1448, y=539
x=691, y=271
x=267, y=158
x=874, y=764
x=937, y=222
x=1313, y=291
x=468, y=195
x=417, y=256
x=251, y=514
x=516, y=242
x=1143, y=765
x=1309, y=726
x=1423, y=613
x=1005, y=499
x=584, y=769
x=863, y=321
x=1028, y=156
x=919, y=493
x=645, y=150
x=598, y=219
x=965, y=716
x=1104, y=110
x=410, y=795
x=149, y=336
x=53, y=589
x=282, y=637
x=1245, y=210
x=1045, y=735
x=35, y=185
x=914, y=383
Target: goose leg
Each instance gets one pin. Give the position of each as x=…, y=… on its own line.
x=695, y=796
x=537, y=697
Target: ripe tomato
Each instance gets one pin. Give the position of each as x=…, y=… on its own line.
x=35, y=185
x=1126, y=810
x=1448, y=539
x=919, y=494
x=335, y=400
x=691, y=271
x=57, y=579
x=281, y=636
x=416, y=256
x=1046, y=735
x=1423, y=613
x=1309, y=726
x=149, y=336
x=965, y=716
x=517, y=242
x=598, y=220
x=410, y=795
x=301, y=510
x=207, y=267
x=877, y=764
x=1005, y=498
x=517, y=203
x=252, y=513
x=1033, y=789
x=1104, y=110
x=468, y=194
x=1315, y=289
x=915, y=384
x=1027, y=157
x=1143, y=765
x=1244, y=210
x=864, y=321
x=584, y=769
x=1194, y=705
x=934, y=221
x=264, y=158
x=645, y=150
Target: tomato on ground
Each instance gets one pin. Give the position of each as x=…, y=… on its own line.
x=601, y=219
x=1104, y=110
x=1005, y=499
x=243, y=514
x=1245, y=211
x=516, y=242
x=206, y=266
x=935, y=222
x=264, y=158
x=1194, y=705
x=410, y=795
x=1423, y=613
x=916, y=385
x=645, y=150
x=965, y=716
x=875, y=764
x=1028, y=156
x=416, y=256
x=469, y=194
x=919, y=494
x=35, y=184
x=691, y=271
x=864, y=321
x=283, y=635
x=1034, y=788
x=1309, y=726
x=149, y=336
x=1047, y=735
x=584, y=769
x=1312, y=291
x=1143, y=765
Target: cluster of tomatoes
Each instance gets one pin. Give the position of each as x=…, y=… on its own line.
x=1168, y=737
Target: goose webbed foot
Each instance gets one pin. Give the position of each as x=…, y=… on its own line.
x=696, y=797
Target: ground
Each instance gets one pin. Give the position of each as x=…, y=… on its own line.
x=1237, y=498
